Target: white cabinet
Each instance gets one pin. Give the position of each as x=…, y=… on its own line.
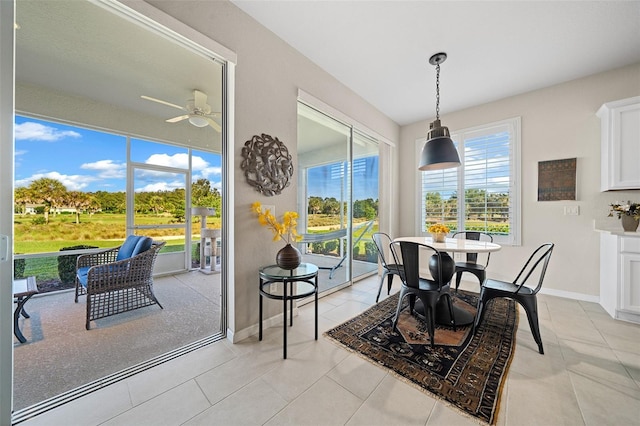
x=620, y=275
x=620, y=144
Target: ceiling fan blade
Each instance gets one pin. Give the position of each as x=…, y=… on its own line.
x=215, y=125
x=176, y=119
x=199, y=100
x=148, y=98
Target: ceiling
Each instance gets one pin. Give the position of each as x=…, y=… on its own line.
x=380, y=49
x=81, y=49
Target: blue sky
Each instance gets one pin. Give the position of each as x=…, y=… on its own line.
x=325, y=181
x=89, y=161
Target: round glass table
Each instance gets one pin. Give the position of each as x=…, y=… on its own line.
x=288, y=285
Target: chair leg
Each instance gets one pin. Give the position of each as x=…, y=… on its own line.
x=431, y=318
x=458, y=279
x=395, y=319
x=531, y=307
x=389, y=282
x=479, y=312
x=451, y=312
x=384, y=274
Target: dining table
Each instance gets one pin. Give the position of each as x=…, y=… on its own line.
x=452, y=245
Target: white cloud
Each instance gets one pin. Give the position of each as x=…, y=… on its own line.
x=38, y=132
x=71, y=182
x=160, y=186
x=180, y=161
x=207, y=173
x=107, y=169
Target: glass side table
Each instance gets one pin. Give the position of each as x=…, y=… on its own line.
x=288, y=285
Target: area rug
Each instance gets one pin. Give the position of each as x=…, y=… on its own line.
x=466, y=371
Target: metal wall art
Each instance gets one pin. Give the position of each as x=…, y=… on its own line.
x=267, y=164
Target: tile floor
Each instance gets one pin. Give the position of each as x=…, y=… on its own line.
x=590, y=374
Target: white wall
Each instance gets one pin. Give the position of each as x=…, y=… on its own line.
x=268, y=75
x=557, y=122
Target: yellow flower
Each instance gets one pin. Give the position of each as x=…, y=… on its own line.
x=438, y=228
x=286, y=230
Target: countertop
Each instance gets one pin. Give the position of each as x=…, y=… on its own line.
x=611, y=228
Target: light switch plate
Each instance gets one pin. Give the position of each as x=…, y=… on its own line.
x=571, y=210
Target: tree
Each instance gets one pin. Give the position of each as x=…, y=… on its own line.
x=22, y=198
x=79, y=201
x=157, y=204
x=49, y=192
x=315, y=205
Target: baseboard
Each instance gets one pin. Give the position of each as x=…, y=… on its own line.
x=254, y=329
x=570, y=295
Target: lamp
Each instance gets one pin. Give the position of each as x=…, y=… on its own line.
x=438, y=152
x=198, y=120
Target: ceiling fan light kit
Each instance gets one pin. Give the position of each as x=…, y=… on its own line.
x=439, y=152
x=198, y=111
x=198, y=120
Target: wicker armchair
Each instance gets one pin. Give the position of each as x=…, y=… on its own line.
x=119, y=279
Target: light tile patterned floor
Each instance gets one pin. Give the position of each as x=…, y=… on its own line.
x=590, y=374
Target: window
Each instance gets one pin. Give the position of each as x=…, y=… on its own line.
x=483, y=194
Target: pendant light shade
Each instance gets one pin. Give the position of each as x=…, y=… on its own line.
x=439, y=152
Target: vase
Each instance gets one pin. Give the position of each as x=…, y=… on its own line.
x=438, y=237
x=629, y=223
x=288, y=257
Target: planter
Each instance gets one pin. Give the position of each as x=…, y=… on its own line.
x=629, y=223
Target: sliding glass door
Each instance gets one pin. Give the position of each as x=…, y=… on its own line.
x=338, y=196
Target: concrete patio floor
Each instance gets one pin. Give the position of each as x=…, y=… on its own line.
x=60, y=354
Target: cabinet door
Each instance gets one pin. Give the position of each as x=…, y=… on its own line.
x=630, y=282
x=620, y=144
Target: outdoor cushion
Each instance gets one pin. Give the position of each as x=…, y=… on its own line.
x=127, y=248
x=82, y=275
x=144, y=244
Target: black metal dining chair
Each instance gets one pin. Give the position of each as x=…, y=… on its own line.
x=475, y=264
x=429, y=291
x=516, y=290
x=382, y=241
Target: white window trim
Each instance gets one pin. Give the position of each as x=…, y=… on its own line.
x=514, y=124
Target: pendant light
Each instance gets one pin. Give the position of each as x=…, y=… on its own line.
x=439, y=152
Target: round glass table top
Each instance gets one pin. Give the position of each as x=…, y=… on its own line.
x=304, y=270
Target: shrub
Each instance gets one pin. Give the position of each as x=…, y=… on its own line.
x=38, y=220
x=18, y=268
x=67, y=264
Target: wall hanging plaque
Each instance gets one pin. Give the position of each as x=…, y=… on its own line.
x=266, y=164
x=557, y=180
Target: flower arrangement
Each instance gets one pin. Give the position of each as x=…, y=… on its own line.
x=439, y=232
x=629, y=209
x=438, y=228
x=285, y=230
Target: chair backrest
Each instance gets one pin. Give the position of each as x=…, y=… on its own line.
x=410, y=253
x=133, y=245
x=537, y=263
x=382, y=240
x=476, y=236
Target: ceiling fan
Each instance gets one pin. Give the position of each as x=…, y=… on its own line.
x=198, y=112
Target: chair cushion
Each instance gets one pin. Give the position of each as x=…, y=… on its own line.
x=126, y=249
x=144, y=244
x=82, y=275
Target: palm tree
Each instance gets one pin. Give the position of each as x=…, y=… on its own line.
x=22, y=198
x=49, y=192
x=79, y=201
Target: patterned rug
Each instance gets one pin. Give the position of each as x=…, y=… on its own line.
x=463, y=370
